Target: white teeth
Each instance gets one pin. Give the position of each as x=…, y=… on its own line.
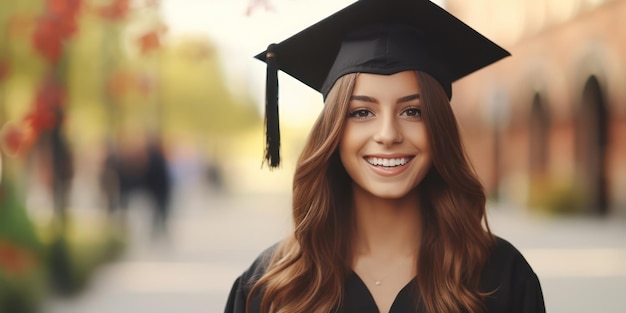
x=387, y=162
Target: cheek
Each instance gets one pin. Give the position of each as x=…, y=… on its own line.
x=418, y=136
x=347, y=140
x=348, y=148
x=345, y=151
x=427, y=150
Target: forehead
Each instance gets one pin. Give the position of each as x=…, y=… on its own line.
x=399, y=84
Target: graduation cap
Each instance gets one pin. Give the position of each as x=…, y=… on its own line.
x=377, y=37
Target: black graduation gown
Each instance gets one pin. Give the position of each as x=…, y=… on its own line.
x=517, y=288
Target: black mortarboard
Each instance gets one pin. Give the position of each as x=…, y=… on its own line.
x=379, y=37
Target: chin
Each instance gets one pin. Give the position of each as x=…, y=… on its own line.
x=392, y=193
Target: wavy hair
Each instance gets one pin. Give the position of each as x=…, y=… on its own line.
x=307, y=271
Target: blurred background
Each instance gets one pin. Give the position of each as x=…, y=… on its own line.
x=131, y=141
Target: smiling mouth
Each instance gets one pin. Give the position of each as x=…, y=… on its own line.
x=387, y=162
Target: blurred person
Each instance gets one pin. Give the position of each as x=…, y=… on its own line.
x=53, y=164
x=388, y=213
x=63, y=172
x=116, y=179
x=49, y=174
x=215, y=176
x=158, y=183
x=138, y=166
x=62, y=167
x=109, y=181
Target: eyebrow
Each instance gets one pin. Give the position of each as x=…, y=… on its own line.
x=373, y=100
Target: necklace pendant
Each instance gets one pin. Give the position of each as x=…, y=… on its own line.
x=378, y=283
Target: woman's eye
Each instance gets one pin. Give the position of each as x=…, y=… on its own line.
x=361, y=113
x=413, y=112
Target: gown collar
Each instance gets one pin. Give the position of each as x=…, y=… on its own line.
x=358, y=297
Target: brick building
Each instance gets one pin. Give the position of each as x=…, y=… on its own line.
x=547, y=126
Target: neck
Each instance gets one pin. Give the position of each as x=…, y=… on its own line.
x=386, y=228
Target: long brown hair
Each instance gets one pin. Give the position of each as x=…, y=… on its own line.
x=308, y=270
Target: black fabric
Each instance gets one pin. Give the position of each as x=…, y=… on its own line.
x=515, y=285
x=389, y=48
x=272, y=129
x=354, y=39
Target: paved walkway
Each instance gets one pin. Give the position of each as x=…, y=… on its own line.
x=581, y=262
x=212, y=239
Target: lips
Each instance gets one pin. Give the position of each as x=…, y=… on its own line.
x=389, y=165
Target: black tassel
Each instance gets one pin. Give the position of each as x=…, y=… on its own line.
x=272, y=130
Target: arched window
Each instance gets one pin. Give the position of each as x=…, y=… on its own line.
x=539, y=138
x=591, y=144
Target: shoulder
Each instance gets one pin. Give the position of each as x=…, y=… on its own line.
x=506, y=260
x=257, y=269
x=510, y=281
x=237, y=299
x=503, y=252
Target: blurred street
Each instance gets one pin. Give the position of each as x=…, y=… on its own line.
x=581, y=262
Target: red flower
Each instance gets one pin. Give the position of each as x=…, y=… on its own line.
x=41, y=120
x=16, y=139
x=48, y=39
x=64, y=8
x=13, y=259
x=65, y=13
x=12, y=139
x=149, y=41
x=43, y=115
x=55, y=27
x=117, y=10
x=50, y=98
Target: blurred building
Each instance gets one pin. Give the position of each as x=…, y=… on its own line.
x=547, y=127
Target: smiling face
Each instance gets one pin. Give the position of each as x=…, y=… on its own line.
x=384, y=147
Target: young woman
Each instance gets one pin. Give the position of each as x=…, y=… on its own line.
x=388, y=214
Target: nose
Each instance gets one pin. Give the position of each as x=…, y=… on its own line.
x=388, y=132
